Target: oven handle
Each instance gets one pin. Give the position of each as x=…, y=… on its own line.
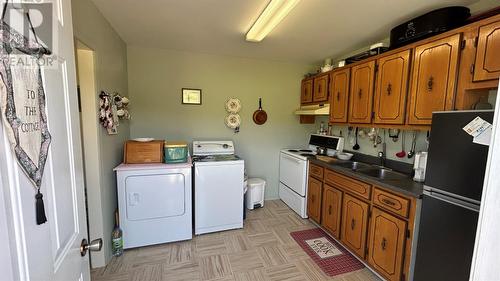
x=298, y=161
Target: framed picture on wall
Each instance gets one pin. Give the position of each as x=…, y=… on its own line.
x=191, y=96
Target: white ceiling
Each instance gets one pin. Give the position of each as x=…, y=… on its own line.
x=314, y=30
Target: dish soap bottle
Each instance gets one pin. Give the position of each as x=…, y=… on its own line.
x=117, y=238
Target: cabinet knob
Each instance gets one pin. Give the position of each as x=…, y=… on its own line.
x=330, y=210
x=312, y=198
x=338, y=96
x=353, y=224
x=388, y=202
x=389, y=89
x=430, y=83
x=384, y=243
x=360, y=93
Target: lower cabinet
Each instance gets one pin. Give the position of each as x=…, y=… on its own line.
x=332, y=208
x=386, y=245
x=354, y=224
x=314, y=189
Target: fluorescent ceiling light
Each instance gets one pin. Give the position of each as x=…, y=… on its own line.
x=272, y=15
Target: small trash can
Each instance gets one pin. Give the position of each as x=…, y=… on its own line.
x=255, y=193
x=245, y=188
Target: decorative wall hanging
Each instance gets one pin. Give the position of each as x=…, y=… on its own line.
x=22, y=99
x=233, y=119
x=107, y=113
x=121, y=106
x=191, y=96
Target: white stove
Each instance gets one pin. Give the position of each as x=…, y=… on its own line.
x=294, y=166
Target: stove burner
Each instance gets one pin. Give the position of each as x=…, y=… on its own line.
x=307, y=154
x=293, y=150
x=305, y=150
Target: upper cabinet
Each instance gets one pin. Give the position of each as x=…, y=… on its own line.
x=391, y=88
x=433, y=80
x=320, y=93
x=306, y=92
x=339, y=89
x=487, y=65
x=361, y=92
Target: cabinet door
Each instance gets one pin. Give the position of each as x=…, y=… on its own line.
x=339, y=90
x=321, y=88
x=354, y=224
x=361, y=92
x=314, y=199
x=386, y=246
x=332, y=207
x=306, y=92
x=433, y=79
x=487, y=66
x=391, y=88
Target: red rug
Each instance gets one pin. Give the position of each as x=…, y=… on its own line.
x=329, y=255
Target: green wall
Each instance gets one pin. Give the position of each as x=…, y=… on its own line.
x=155, y=80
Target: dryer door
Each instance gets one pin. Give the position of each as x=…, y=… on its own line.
x=154, y=196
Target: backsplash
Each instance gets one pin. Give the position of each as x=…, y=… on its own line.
x=366, y=146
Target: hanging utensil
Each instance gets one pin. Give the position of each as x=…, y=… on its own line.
x=260, y=116
x=394, y=134
x=356, y=146
x=413, y=143
x=402, y=153
x=350, y=135
x=376, y=138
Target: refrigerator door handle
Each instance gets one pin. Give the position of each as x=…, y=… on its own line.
x=451, y=200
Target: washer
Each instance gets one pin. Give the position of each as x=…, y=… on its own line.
x=218, y=187
x=154, y=202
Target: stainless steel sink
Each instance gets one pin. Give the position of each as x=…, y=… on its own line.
x=354, y=165
x=381, y=173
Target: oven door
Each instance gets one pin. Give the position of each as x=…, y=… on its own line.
x=293, y=173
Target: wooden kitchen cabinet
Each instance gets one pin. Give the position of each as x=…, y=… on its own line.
x=433, y=79
x=487, y=66
x=361, y=93
x=320, y=85
x=332, y=208
x=391, y=88
x=306, y=91
x=339, y=89
x=386, y=245
x=354, y=224
x=314, y=192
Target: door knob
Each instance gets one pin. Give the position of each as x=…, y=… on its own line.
x=94, y=246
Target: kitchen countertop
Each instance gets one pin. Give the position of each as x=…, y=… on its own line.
x=404, y=186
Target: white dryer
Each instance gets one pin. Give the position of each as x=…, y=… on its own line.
x=154, y=202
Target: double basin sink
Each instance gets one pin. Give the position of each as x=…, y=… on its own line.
x=377, y=172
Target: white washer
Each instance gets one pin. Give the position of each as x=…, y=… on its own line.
x=218, y=187
x=154, y=202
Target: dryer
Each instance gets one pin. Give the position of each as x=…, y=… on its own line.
x=154, y=202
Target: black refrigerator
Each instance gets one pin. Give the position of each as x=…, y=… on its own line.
x=452, y=196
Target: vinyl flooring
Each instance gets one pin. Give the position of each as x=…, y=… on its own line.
x=262, y=250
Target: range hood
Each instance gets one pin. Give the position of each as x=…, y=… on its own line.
x=317, y=109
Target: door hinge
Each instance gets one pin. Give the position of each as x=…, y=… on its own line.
x=376, y=67
x=408, y=233
x=475, y=41
x=462, y=44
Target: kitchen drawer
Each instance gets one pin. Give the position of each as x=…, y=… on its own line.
x=316, y=171
x=351, y=185
x=391, y=202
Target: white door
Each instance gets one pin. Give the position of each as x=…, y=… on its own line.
x=50, y=251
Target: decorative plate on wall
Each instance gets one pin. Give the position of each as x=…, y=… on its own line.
x=233, y=120
x=233, y=105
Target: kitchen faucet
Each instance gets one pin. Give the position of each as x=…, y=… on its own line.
x=382, y=154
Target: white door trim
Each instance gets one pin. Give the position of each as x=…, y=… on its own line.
x=487, y=247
